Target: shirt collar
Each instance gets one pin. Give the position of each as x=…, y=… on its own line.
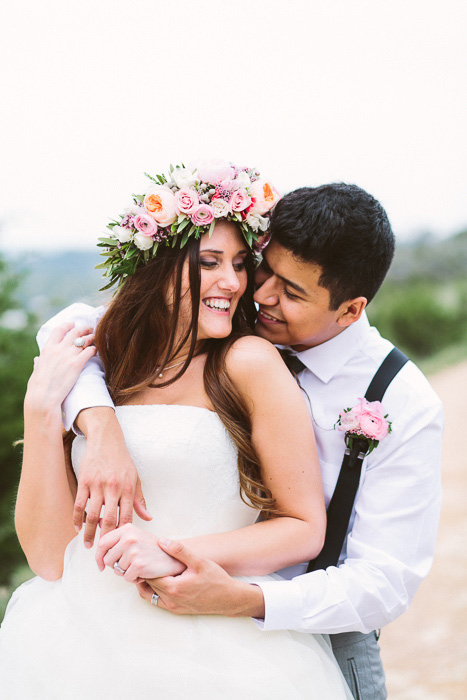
x=327, y=359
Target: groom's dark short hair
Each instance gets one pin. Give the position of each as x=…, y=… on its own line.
x=341, y=228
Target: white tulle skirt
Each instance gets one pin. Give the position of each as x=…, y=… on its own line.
x=90, y=635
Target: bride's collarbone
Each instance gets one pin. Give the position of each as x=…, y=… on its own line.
x=186, y=391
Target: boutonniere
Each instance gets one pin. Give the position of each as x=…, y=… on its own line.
x=366, y=419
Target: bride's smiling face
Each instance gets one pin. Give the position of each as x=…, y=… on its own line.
x=223, y=280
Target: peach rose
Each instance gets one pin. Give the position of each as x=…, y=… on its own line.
x=159, y=202
x=264, y=196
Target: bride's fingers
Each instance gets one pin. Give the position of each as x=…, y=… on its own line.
x=105, y=544
x=78, y=335
x=86, y=354
x=145, y=590
x=114, y=556
x=58, y=334
x=87, y=339
x=131, y=573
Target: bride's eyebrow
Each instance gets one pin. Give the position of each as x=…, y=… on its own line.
x=221, y=252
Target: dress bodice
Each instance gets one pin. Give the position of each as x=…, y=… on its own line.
x=187, y=463
x=96, y=620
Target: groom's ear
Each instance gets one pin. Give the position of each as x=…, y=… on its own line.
x=350, y=311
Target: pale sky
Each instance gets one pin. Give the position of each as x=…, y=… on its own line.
x=96, y=92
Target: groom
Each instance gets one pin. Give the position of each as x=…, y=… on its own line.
x=331, y=248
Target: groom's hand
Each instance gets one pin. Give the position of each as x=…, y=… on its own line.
x=107, y=476
x=204, y=588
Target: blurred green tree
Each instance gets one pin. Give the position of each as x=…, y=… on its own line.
x=421, y=318
x=17, y=349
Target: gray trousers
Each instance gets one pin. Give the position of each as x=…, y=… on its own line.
x=359, y=659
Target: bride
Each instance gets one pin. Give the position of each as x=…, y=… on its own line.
x=218, y=431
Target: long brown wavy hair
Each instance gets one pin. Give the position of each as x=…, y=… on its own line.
x=137, y=338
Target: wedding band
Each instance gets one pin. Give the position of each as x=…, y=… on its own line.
x=79, y=342
x=119, y=568
x=154, y=599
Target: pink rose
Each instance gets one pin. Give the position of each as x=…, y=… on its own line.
x=350, y=420
x=160, y=204
x=214, y=171
x=145, y=224
x=264, y=196
x=186, y=200
x=365, y=418
x=372, y=421
x=239, y=200
x=203, y=215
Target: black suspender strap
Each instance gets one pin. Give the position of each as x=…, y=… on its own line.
x=388, y=369
x=340, y=507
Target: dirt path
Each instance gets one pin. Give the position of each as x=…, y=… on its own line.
x=425, y=651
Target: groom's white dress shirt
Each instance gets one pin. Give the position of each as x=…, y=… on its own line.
x=390, y=544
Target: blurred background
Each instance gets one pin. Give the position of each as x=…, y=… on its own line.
x=96, y=93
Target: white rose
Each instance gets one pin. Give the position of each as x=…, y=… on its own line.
x=143, y=242
x=123, y=234
x=256, y=221
x=220, y=208
x=133, y=210
x=184, y=177
x=242, y=180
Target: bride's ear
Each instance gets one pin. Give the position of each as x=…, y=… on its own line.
x=350, y=311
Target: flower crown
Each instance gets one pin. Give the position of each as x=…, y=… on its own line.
x=187, y=203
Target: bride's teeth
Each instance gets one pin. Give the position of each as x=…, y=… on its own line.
x=218, y=303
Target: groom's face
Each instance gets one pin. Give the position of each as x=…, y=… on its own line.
x=293, y=307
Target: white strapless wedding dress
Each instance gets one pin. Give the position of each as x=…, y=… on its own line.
x=90, y=634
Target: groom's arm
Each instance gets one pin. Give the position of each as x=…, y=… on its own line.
x=391, y=545
x=204, y=588
x=389, y=550
x=107, y=475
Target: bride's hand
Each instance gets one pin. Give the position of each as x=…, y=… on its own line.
x=58, y=367
x=137, y=554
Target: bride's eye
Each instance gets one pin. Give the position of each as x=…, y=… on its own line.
x=209, y=264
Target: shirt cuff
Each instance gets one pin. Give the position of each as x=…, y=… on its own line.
x=283, y=604
x=73, y=404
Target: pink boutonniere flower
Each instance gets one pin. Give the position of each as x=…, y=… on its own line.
x=366, y=419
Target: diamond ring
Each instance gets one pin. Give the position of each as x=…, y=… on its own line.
x=154, y=599
x=119, y=568
x=79, y=342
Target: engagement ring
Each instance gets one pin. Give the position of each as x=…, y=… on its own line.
x=79, y=342
x=118, y=568
x=154, y=599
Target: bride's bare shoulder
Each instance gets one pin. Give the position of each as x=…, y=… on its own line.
x=251, y=355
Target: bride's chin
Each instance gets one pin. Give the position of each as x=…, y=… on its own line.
x=213, y=333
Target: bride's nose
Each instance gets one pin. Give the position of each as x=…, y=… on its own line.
x=229, y=280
